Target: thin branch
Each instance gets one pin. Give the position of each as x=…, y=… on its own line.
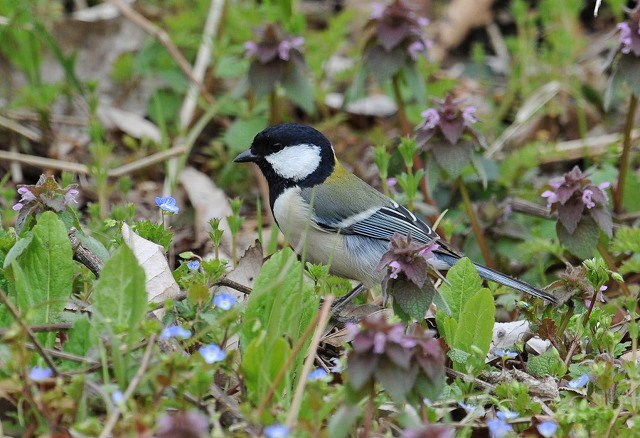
x=164, y=39
x=325, y=312
x=233, y=285
x=48, y=163
x=37, y=328
x=148, y=161
x=16, y=315
x=84, y=255
x=135, y=381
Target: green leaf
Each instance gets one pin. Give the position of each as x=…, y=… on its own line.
x=261, y=363
x=280, y=306
x=17, y=249
x=120, y=296
x=447, y=327
x=628, y=67
x=343, y=421
x=410, y=298
x=79, y=340
x=463, y=282
x=475, y=326
x=44, y=273
x=299, y=90
x=582, y=243
x=548, y=363
x=626, y=239
x=241, y=132
x=631, y=265
x=630, y=198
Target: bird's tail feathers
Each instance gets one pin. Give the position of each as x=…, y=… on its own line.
x=498, y=277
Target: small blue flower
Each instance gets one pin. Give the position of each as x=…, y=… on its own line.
x=579, y=382
x=117, y=397
x=317, y=374
x=175, y=331
x=505, y=354
x=194, y=265
x=547, y=428
x=507, y=415
x=276, y=431
x=224, y=301
x=167, y=205
x=212, y=353
x=471, y=410
x=38, y=374
x=498, y=428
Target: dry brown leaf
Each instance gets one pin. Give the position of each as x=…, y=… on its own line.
x=130, y=123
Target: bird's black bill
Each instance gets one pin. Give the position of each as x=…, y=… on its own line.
x=246, y=157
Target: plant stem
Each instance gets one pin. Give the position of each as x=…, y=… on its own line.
x=585, y=323
x=405, y=126
x=611, y=263
x=626, y=150
x=368, y=416
x=274, y=108
x=475, y=225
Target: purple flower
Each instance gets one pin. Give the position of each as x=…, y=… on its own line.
x=377, y=11
x=117, y=397
x=212, y=353
x=38, y=374
x=468, y=114
x=547, y=428
x=285, y=47
x=415, y=49
x=167, y=205
x=471, y=409
x=586, y=198
x=505, y=354
x=70, y=196
x=391, y=182
x=194, y=265
x=498, y=428
x=276, y=431
x=507, y=415
x=578, y=383
x=317, y=374
x=431, y=118
x=175, y=331
x=26, y=194
x=395, y=269
x=17, y=206
x=552, y=198
x=224, y=301
x=251, y=48
x=625, y=37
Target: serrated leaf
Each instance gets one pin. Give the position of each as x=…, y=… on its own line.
x=44, y=273
x=458, y=356
x=582, y=243
x=413, y=300
x=452, y=158
x=631, y=265
x=628, y=69
x=299, y=90
x=475, y=326
x=120, y=297
x=396, y=381
x=626, y=239
x=463, y=282
x=548, y=363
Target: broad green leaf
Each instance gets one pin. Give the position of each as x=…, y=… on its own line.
x=582, y=243
x=475, y=326
x=342, y=422
x=447, y=327
x=280, y=306
x=462, y=283
x=120, y=297
x=261, y=363
x=412, y=300
x=17, y=249
x=548, y=363
x=79, y=340
x=44, y=273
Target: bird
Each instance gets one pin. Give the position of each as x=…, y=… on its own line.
x=337, y=219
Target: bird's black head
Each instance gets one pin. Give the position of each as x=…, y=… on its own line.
x=289, y=155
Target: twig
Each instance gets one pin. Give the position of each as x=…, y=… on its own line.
x=20, y=129
x=148, y=161
x=308, y=362
x=84, y=255
x=16, y=315
x=165, y=40
x=530, y=208
x=135, y=381
x=63, y=355
x=37, y=328
x=467, y=378
x=232, y=409
x=475, y=225
x=43, y=162
x=233, y=285
x=574, y=149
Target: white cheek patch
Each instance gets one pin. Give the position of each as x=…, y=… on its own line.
x=295, y=162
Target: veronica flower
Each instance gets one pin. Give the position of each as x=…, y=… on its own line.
x=505, y=354
x=175, y=331
x=578, y=383
x=276, y=431
x=212, y=353
x=547, y=428
x=471, y=409
x=317, y=374
x=38, y=374
x=117, y=397
x=507, y=415
x=224, y=301
x=194, y=265
x=167, y=205
x=498, y=428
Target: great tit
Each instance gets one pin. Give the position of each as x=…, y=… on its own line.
x=335, y=217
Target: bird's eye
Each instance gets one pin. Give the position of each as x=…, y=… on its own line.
x=277, y=146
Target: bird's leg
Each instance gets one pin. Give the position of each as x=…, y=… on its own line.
x=339, y=304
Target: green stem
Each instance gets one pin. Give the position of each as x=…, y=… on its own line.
x=405, y=126
x=611, y=263
x=274, y=108
x=475, y=225
x=626, y=150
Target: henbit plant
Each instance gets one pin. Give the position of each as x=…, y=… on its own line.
x=625, y=68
